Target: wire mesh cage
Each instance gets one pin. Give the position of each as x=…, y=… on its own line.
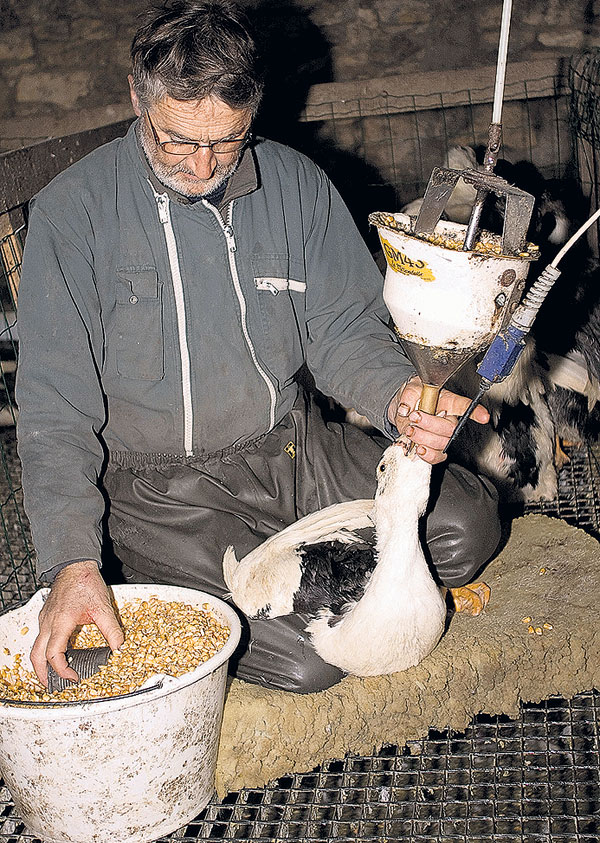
x=535, y=779
x=17, y=567
x=402, y=138
x=584, y=83
x=528, y=780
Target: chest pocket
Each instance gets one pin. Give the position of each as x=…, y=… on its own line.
x=280, y=288
x=139, y=324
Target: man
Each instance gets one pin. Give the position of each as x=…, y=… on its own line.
x=174, y=282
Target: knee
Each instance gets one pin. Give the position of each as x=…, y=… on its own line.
x=308, y=676
x=464, y=528
x=277, y=654
x=305, y=675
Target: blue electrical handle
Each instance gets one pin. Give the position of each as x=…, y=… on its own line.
x=503, y=353
x=507, y=345
x=497, y=364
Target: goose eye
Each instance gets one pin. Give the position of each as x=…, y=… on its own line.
x=382, y=468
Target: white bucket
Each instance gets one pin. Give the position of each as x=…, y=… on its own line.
x=443, y=297
x=130, y=769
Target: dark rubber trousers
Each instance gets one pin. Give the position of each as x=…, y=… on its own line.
x=171, y=523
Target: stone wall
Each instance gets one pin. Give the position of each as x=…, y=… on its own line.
x=63, y=63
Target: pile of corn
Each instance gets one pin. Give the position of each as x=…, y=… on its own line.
x=160, y=637
x=538, y=630
x=490, y=246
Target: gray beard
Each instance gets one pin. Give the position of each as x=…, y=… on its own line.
x=167, y=175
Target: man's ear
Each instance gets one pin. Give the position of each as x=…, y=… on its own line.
x=134, y=97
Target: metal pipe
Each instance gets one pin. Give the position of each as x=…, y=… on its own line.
x=501, y=64
x=489, y=162
x=495, y=129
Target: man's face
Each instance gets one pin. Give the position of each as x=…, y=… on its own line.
x=204, y=121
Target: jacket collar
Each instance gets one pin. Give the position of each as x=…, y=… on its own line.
x=242, y=181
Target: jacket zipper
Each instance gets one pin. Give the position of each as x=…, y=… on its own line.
x=231, y=250
x=164, y=214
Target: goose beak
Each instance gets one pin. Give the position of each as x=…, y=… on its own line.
x=407, y=445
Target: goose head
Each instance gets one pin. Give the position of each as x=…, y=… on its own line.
x=402, y=478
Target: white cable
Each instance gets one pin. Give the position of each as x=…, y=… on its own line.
x=501, y=65
x=575, y=237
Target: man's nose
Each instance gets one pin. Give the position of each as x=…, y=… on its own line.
x=202, y=162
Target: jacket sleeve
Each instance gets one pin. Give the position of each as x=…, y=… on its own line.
x=352, y=353
x=58, y=392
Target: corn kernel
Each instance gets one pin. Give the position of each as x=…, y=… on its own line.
x=526, y=620
x=150, y=626
x=530, y=629
x=548, y=626
x=538, y=630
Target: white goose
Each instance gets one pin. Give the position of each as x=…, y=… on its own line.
x=372, y=613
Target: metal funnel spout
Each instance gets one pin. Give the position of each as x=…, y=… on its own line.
x=436, y=365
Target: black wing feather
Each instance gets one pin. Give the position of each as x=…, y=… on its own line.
x=333, y=574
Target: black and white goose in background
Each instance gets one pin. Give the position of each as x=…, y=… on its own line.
x=567, y=334
x=517, y=449
x=565, y=337
x=373, y=610
x=574, y=398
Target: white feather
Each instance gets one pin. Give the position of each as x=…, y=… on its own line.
x=459, y=206
x=400, y=617
x=571, y=372
x=265, y=580
x=412, y=208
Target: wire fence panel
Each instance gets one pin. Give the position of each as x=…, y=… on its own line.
x=17, y=564
x=584, y=82
x=402, y=138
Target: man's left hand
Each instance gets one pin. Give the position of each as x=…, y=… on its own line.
x=430, y=433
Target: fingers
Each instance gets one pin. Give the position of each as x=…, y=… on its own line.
x=51, y=650
x=430, y=433
x=456, y=405
x=49, y=647
x=403, y=403
x=409, y=397
x=38, y=659
x=60, y=665
x=111, y=629
x=78, y=596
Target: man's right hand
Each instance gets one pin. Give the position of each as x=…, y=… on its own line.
x=78, y=596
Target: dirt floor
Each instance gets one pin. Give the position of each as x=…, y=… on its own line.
x=548, y=571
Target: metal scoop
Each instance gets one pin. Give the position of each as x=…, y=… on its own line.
x=84, y=662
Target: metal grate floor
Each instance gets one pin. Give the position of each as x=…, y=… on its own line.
x=534, y=779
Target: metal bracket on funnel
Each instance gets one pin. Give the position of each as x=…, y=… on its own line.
x=517, y=215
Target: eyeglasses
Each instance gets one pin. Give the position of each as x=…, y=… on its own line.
x=219, y=147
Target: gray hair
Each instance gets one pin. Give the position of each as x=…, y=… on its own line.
x=192, y=49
